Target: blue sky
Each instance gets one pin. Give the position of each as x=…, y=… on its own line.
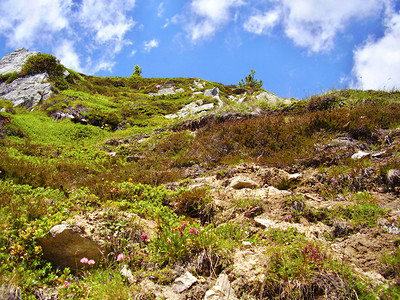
x=297, y=47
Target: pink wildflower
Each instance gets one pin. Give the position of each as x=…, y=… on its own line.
x=144, y=237
x=67, y=284
x=91, y=262
x=84, y=260
x=194, y=231
x=121, y=257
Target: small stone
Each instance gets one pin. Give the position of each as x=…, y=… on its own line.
x=247, y=244
x=265, y=223
x=360, y=155
x=184, y=282
x=221, y=290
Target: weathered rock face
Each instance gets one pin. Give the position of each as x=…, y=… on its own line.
x=14, y=61
x=27, y=91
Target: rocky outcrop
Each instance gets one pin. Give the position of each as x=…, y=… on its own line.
x=26, y=91
x=191, y=109
x=272, y=99
x=14, y=61
x=167, y=91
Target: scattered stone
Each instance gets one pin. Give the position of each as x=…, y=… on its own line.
x=198, y=84
x=360, y=155
x=14, y=61
x=184, y=282
x=167, y=91
x=264, y=223
x=221, y=290
x=66, y=245
x=242, y=182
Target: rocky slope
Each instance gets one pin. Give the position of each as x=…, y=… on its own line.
x=138, y=188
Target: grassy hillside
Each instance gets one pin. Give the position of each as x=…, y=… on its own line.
x=119, y=151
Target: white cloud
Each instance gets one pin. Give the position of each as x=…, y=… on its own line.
x=66, y=53
x=23, y=22
x=262, y=23
x=377, y=63
x=150, y=45
x=313, y=24
x=207, y=16
x=107, y=20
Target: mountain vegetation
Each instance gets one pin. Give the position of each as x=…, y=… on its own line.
x=290, y=199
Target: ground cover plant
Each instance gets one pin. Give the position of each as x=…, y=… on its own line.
x=142, y=179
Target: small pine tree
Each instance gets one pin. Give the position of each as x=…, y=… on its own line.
x=250, y=81
x=138, y=71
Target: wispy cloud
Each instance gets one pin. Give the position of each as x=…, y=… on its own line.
x=377, y=62
x=150, y=45
x=160, y=10
x=312, y=24
x=262, y=23
x=92, y=26
x=205, y=17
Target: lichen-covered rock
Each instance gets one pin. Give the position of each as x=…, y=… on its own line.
x=27, y=91
x=14, y=61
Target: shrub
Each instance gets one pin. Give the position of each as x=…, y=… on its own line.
x=41, y=63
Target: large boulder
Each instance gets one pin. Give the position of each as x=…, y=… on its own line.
x=66, y=245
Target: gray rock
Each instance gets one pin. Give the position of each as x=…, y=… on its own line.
x=66, y=245
x=27, y=91
x=221, y=290
x=242, y=182
x=14, y=61
x=184, y=282
x=214, y=92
